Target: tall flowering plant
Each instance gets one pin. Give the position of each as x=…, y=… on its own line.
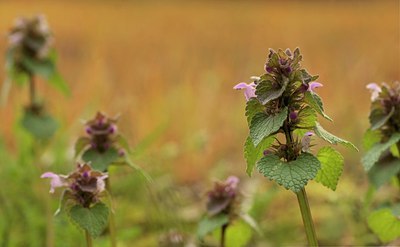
x=382, y=160
x=283, y=102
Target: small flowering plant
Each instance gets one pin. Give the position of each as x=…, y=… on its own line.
x=81, y=198
x=382, y=161
x=223, y=208
x=31, y=53
x=103, y=145
x=283, y=102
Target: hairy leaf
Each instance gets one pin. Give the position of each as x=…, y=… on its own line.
x=268, y=90
x=321, y=132
x=331, y=167
x=315, y=102
x=378, y=118
x=41, y=127
x=253, y=106
x=372, y=156
x=292, y=175
x=307, y=117
x=253, y=153
x=100, y=161
x=370, y=138
x=386, y=167
x=263, y=125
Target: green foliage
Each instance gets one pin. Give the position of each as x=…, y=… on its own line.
x=378, y=117
x=308, y=117
x=209, y=224
x=372, y=156
x=370, y=138
x=238, y=234
x=313, y=100
x=122, y=142
x=253, y=153
x=292, y=175
x=267, y=90
x=325, y=135
x=41, y=127
x=332, y=163
x=80, y=145
x=100, y=161
x=384, y=224
x=384, y=170
x=253, y=106
x=263, y=125
x=93, y=219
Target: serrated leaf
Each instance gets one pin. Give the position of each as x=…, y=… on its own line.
x=100, y=161
x=81, y=144
x=292, y=175
x=386, y=167
x=372, y=156
x=253, y=153
x=332, y=139
x=315, y=102
x=332, y=163
x=378, y=118
x=41, y=127
x=209, y=224
x=370, y=138
x=253, y=106
x=266, y=91
x=307, y=117
x=384, y=224
x=263, y=125
x=93, y=219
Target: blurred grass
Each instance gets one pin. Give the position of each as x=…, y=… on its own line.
x=173, y=64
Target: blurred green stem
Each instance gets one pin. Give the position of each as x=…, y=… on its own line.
x=32, y=89
x=398, y=151
x=223, y=231
x=307, y=218
x=89, y=242
x=111, y=226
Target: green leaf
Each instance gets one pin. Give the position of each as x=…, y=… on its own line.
x=263, y=125
x=123, y=143
x=238, y=234
x=307, y=117
x=41, y=127
x=44, y=68
x=292, y=175
x=251, y=222
x=381, y=173
x=370, y=138
x=58, y=82
x=81, y=144
x=101, y=161
x=372, y=156
x=253, y=153
x=331, y=167
x=378, y=118
x=384, y=224
x=268, y=90
x=209, y=224
x=253, y=106
x=332, y=139
x=93, y=219
x=315, y=102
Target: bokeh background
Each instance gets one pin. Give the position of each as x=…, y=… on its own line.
x=168, y=67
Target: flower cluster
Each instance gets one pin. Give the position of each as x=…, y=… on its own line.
x=385, y=108
x=30, y=38
x=102, y=131
x=223, y=198
x=84, y=185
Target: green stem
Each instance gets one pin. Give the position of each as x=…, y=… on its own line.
x=32, y=90
x=398, y=151
x=111, y=225
x=307, y=218
x=89, y=241
x=223, y=231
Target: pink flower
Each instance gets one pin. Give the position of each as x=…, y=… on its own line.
x=56, y=180
x=249, y=89
x=375, y=90
x=313, y=85
x=306, y=141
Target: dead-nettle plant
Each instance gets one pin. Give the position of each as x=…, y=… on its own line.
x=223, y=208
x=283, y=104
x=82, y=197
x=382, y=161
x=31, y=54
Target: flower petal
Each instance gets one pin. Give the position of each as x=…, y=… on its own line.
x=56, y=180
x=314, y=85
x=240, y=86
x=375, y=90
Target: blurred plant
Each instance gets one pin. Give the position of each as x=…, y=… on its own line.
x=30, y=53
x=284, y=101
x=223, y=208
x=80, y=199
x=381, y=161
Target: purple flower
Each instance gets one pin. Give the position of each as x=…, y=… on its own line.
x=313, y=85
x=305, y=141
x=56, y=180
x=293, y=115
x=222, y=197
x=249, y=89
x=375, y=90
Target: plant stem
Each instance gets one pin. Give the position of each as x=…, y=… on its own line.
x=89, y=242
x=32, y=89
x=307, y=218
x=398, y=151
x=111, y=225
x=223, y=231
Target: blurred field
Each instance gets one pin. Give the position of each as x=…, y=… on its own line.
x=171, y=65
